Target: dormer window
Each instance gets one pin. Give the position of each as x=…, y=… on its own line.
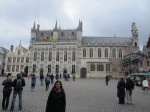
x=42, y=34
x=62, y=33
x=18, y=52
x=51, y=33
x=72, y=33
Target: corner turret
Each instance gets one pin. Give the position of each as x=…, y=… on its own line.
x=135, y=39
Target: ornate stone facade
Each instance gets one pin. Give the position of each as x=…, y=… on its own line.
x=67, y=51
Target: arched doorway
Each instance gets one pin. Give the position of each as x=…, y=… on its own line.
x=65, y=71
x=83, y=72
x=26, y=71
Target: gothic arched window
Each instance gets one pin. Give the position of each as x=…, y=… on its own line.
x=91, y=52
x=106, y=52
x=99, y=52
x=114, y=53
x=84, y=52
x=120, y=53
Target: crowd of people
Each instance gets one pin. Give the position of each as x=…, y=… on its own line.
x=57, y=100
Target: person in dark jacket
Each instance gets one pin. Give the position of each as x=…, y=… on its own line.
x=6, y=92
x=57, y=99
x=129, y=89
x=121, y=91
x=52, y=78
x=33, y=82
x=107, y=79
x=47, y=82
x=18, y=85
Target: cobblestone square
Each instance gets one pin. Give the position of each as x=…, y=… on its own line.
x=82, y=95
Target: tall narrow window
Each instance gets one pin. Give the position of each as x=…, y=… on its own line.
x=9, y=60
x=50, y=56
x=18, y=52
x=147, y=63
x=13, y=68
x=114, y=53
x=106, y=53
x=100, y=67
x=57, y=56
x=84, y=52
x=49, y=68
x=73, y=56
x=65, y=56
x=120, y=53
x=42, y=56
x=14, y=60
x=73, y=68
x=92, y=67
x=34, y=68
x=22, y=59
x=17, y=68
x=91, y=52
x=107, y=67
x=8, y=68
x=99, y=52
x=18, y=60
x=35, y=56
x=57, y=68
x=27, y=60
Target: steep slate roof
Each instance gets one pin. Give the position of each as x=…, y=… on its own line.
x=4, y=50
x=115, y=40
x=47, y=34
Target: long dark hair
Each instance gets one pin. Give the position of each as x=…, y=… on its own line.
x=60, y=85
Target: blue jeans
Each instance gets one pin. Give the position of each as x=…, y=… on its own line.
x=42, y=82
x=14, y=98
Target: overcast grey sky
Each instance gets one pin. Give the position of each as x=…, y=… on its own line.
x=99, y=17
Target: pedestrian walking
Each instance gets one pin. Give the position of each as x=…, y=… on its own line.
x=68, y=76
x=56, y=100
x=42, y=79
x=6, y=92
x=129, y=89
x=47, y=82
x=33, y=82
x=52, y=78
x=121, y=91
x=107, y=79
x=18, y=85
x=73, y=77
x=145, y=85
x=57, y=77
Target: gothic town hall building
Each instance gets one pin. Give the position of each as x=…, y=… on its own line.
x=68, y=51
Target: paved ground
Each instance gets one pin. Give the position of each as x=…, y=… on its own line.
x=83, y=95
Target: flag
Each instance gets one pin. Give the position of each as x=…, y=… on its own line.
x=44, y=39
x=53, y=38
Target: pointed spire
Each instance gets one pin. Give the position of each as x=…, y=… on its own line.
x=134, y=26
x=34, y=26
x=56, y=25
x=20, y=43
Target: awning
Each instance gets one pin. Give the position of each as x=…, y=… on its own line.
x=140, y=74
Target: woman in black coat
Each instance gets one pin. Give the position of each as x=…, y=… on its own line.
x=6, y=92
x=57, y=99
x=121, y=91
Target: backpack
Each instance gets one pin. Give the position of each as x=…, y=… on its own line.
x=47, y=79
x=19, y=84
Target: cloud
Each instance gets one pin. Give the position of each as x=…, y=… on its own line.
x=99, y=17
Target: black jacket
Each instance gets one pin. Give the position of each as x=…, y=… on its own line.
x=121, y=89
x=15, y=83
x=56, y=102
x=129, y=84
x=7, y=86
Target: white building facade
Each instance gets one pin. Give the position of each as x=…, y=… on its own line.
x=68, y=51
x=17, y=60
x=3, y=52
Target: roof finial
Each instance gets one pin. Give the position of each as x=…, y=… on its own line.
x=56, y=25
